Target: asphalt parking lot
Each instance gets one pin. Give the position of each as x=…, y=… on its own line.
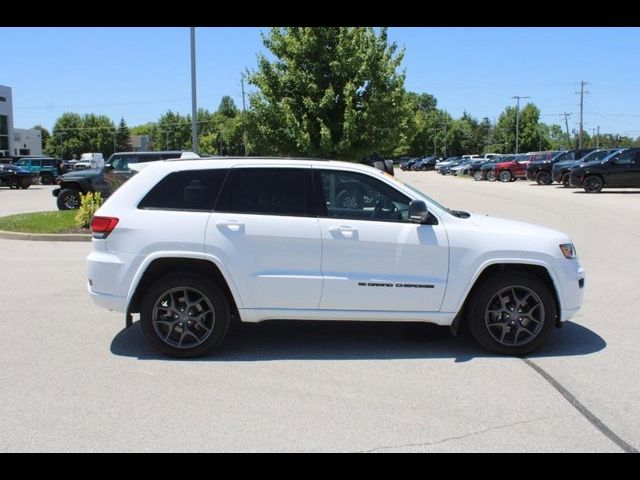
x=74, y=380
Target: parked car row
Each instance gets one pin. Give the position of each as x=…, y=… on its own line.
x=591, y=169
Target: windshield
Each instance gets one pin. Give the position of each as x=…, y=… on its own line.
x=429, y=199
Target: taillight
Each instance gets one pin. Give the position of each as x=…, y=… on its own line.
x=101, y=227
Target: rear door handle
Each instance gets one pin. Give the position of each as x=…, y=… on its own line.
x=345, y=231
x=232, y=225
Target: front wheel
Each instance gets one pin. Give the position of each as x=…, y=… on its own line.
x=184, y=315
x=46, y=179
x=477, y=176
x=544, y=178
x=68, y=199
x=593, y=184
x=505, y=176
x=512, y=313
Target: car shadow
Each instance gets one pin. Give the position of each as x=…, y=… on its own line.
x=315, y=340
x=609, y=192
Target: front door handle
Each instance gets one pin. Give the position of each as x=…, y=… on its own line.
x=345, y=231
x=231, y=225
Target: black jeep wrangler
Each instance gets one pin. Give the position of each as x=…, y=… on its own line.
x=104, y=180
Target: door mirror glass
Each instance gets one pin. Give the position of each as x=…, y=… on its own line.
x=418, y=212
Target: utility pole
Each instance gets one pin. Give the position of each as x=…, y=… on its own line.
x=582, y=92
x=566, y=123
x=598, y=138
x=244, y=129
x=517, y=97
x=194, y=109
x=445, y=140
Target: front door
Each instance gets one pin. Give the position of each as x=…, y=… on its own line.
x=265, y=232
x=373, y=258
x=623, y=172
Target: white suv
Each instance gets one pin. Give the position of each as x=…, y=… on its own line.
x=191, y=245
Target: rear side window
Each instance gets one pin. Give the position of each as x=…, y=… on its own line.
x=267, y=191
x=187, y=190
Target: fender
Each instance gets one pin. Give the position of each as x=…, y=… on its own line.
x=510, y=260
x=180, y=254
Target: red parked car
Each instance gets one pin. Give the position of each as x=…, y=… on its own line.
x=517, y=168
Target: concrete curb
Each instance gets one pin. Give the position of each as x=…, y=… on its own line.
x=46, y=237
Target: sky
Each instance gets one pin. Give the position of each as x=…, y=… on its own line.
x=141, y=72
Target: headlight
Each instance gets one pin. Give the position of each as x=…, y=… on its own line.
x=568, y=250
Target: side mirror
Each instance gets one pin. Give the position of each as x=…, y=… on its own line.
x=418, y=212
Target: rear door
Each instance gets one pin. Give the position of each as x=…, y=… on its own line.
x=265, y=232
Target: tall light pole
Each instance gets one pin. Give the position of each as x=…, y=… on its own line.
x=517, y=97
x=194, y=109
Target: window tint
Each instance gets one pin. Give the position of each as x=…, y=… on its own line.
x=188, y=190
x=357, y=196
x=626, y=157
x=268, y=191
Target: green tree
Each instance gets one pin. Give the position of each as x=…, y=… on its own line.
x=172, y=132
x=144, y=129
x=530, y=137
x=123, y=140
x=330, y=92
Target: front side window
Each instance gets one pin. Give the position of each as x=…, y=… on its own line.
x=357, y=196
x=268, y=191
x=626, y=157
x=186, y=190
x=121, y=162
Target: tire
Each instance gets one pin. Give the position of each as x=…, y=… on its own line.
x=46, y=179
x=477, y=176
x=491, y=176
x=488, y=316
x=544, y=178
x=68, y=199
x=14, y=184
x=505, y=176
x=24, y=184
x=593, y=184
x=565, y=181
x=200, y=340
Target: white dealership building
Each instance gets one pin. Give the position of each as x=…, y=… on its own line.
x=15, y=141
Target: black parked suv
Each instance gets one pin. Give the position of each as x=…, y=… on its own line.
x=541, y=171
x=560, y=170
x=621, y=170
x=14, y=176
x=104, y=180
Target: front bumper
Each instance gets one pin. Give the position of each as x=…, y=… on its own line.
x=571, y=287
x=55, y=192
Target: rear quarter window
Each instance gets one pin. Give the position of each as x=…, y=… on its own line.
x=187, y=190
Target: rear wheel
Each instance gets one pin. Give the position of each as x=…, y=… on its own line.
x=25, y=183
x=184, y=315
x=593, y=184
x=491, y=176
x=505, y=176
x=544, y=178
x=46, y=179
x=512, y=313
x=477, y=176
x=68, y=199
